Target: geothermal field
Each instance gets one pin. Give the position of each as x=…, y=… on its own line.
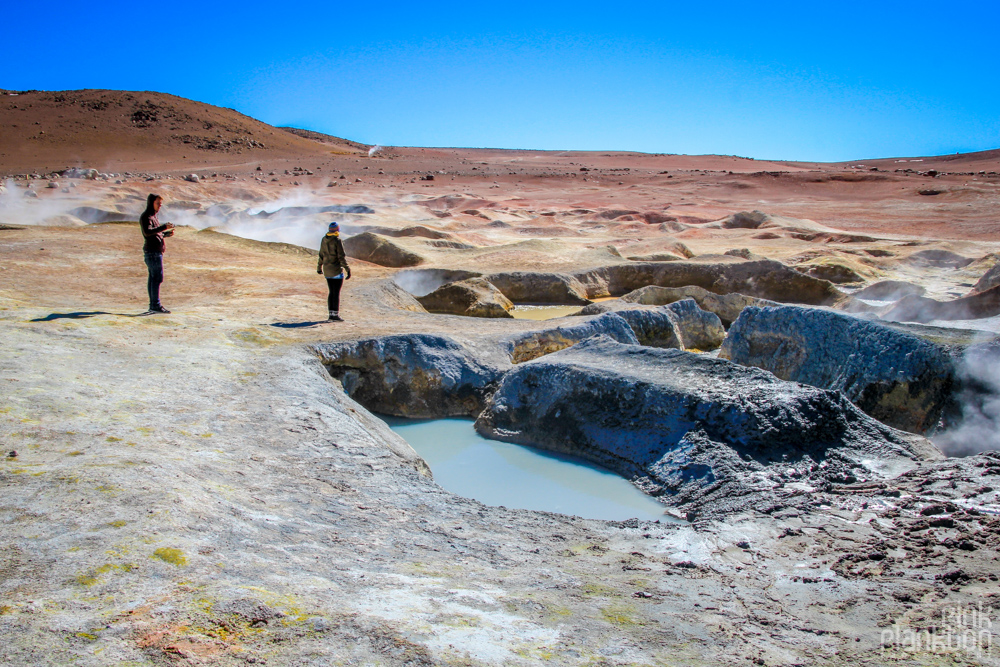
x=790, y=370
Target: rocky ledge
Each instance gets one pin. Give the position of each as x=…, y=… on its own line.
x=714, y=435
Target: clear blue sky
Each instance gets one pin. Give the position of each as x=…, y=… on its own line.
x=796, y=81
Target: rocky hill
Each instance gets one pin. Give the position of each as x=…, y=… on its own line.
x=121, y=130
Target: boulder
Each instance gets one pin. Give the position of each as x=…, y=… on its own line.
x=765, y=279
x=535, y=287
x=989, y=279
x=831, y=269
x=922, y=309
x=380, y=250
x=414, y=375
x=696, y=329
x=654, y=257
x=745, y=220
x=939, y=258
x=894, y=376
x=421, y=282
x=75, y=172
x=192, y=178
x=92, y=215
x=727, y=306
x=682, y=325
x=761, y=220
x=715, y=435
x=889, y=290
x=527, y=346
x=652, y=326
x=474, y=297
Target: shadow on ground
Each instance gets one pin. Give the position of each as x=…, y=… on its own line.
x=82, y=315
x=297, y=325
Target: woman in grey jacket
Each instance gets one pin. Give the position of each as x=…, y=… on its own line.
x=333, y=266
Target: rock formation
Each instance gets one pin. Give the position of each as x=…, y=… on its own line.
x=474, y=297
x=727, y=306
x=379, y=250
x=975, y=306
x=417, y=375
x=765, y=279
x=537, y=287
x=680, y=324
x=528, y=346
x=712, y=432
x=896, y=377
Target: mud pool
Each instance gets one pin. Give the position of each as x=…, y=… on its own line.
x=498, y=473
x=532, y=312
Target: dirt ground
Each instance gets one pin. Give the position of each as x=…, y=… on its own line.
x=194, y=488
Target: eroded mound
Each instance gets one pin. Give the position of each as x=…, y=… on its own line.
x=710, y=432
x=896, y=377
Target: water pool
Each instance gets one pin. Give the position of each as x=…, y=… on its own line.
x=499, y=473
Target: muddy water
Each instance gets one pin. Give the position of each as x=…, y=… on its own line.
x=528, y=312
x=498, y=473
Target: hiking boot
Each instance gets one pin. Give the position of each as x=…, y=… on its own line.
x=335, y=318
x=158, y=309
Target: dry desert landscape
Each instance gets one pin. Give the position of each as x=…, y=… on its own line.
x=798, y=361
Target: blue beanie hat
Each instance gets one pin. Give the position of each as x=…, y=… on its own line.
x=334, y=226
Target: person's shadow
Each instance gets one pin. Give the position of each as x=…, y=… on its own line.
x=82, y=315
x=297, y=325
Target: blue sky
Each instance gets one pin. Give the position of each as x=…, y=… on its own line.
x=842, y=81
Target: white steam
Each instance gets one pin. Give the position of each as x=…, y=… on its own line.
x=978, y=430
x=37, y=204
x=374, y=150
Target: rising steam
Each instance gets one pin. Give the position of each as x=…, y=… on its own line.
x=978, y=430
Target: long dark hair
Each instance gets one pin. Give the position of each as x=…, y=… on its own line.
x=149, y=205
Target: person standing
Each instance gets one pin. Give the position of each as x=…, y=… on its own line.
x=152, y=249
x=333, y=266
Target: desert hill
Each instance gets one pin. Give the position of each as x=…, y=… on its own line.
x=122, y=130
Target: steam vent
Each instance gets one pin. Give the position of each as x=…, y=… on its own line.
x=674, y=410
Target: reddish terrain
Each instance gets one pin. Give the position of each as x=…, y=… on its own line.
x=139, y=133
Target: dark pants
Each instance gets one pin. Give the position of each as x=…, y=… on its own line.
x=333, y=300
x=154, y=262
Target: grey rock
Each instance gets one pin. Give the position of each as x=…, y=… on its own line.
x=696, y=328
x=192, y=178
x=714, y=434
x=416, y=375
x=380, y=250
x=889, y=290
x=894, y=376
x=652, y=326
x=421, y=282
x=682, y=324
x=75, y=172
x=989, y=279
x=832, y=270
x=474, y=297
x=923, y=309
x=92, y=215
x=535, y=287
x=727, y=306
x=765, y=279
x=528, y=346
x=939, y=258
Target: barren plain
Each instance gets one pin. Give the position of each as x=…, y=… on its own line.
x=201, y=487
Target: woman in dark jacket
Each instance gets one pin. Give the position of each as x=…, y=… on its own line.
x=152, y=249
x=333, y=266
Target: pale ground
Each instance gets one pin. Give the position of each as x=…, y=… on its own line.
x=194, y=489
